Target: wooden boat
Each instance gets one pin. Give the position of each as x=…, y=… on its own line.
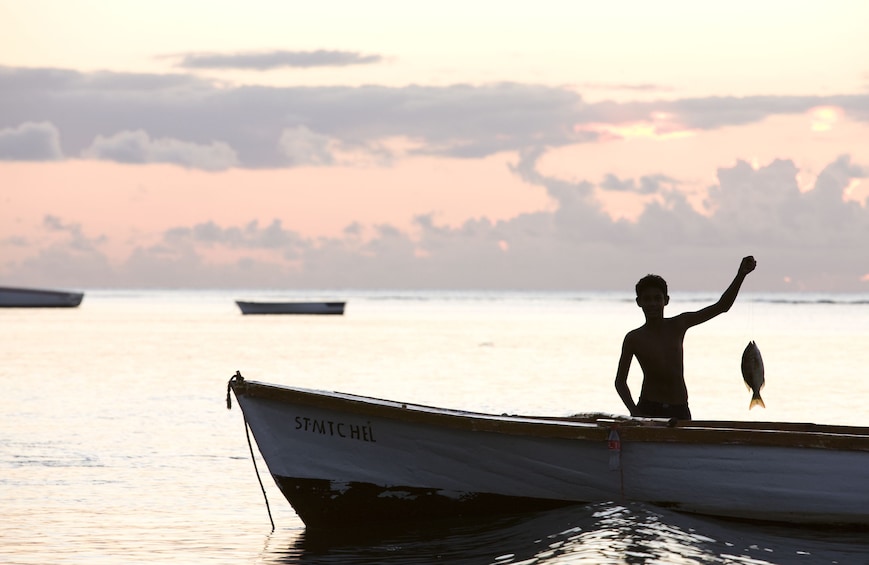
x=346, y=460
x=335, y=308
x=11, y=297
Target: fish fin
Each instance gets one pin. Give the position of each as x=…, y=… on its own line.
x=756, y=400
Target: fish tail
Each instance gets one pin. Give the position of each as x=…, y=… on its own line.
x=756, y=400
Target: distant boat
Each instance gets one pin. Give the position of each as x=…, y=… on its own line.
x=335, y=308
x=11, y=297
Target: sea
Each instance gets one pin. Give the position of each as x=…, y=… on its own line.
x=117, y=446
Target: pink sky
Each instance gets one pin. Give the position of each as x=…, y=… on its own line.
x=112, y=198
x=336, y=159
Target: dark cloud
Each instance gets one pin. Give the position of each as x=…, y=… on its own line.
x=461, y=120
x=30, y=142
x=138, y=147
x=612, y=182
x=185, y=120
x=649, y=184
x=267, y=60
x=19, y=83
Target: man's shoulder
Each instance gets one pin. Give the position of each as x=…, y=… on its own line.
x=678, y=319
x=651, y=332
x=639, y=335
x=634, y=332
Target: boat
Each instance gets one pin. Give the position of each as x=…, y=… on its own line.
x=12, y=297
x=334, y=308
x=343, y=460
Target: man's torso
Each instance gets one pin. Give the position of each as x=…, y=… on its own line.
x=658, y=349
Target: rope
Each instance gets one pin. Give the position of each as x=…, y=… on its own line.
x=237, y=378
x=234, y=378
x=253, y=458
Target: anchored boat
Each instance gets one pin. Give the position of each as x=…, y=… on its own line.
x=12, y=297
x=333, y=308
x=345, y=460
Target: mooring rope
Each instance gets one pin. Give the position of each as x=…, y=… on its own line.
x=237, y=377
x=261, y=486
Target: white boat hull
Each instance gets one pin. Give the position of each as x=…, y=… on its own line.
x=382, y=461
x=344, y=460
x=769, y=483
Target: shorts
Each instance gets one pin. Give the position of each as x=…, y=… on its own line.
x=649, y=409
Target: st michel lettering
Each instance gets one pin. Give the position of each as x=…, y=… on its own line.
x=335, y=429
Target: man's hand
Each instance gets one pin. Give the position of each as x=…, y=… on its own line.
x=748, y=264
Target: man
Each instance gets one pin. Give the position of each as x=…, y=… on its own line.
x=657, y=345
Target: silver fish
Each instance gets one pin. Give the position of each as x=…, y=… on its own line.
x=752, y=373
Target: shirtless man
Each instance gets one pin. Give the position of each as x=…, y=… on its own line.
x=657, y=345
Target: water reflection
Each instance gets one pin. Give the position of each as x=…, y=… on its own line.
x=630, y=534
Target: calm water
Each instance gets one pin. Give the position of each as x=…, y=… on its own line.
x=116, y=445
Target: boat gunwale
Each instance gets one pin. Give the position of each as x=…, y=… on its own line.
x=589, y=426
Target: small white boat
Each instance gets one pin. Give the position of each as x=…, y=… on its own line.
x=11, y=297
x=334, y=308
x=345, y=460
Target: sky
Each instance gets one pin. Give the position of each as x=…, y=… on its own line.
x=549, y=145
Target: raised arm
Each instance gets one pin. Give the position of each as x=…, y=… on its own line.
x=727, y=298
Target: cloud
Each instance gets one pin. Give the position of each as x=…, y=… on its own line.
x=637, y=87
x=138, y=147
x=21, y=84
x=304, y=147
x=30, y=142
x=649, y=184
x=766, y=206
x=66, y=256
x=267, y=60
x=193, y=122
x=250, y=236
x=76, y=238
x=811, y=240
x=716, y=112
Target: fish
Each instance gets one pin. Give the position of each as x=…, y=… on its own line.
x=752, y=373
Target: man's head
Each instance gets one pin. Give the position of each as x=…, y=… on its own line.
x=651, y=281
x=652, y=296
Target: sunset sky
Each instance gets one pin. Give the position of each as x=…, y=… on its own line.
x=557, y=145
